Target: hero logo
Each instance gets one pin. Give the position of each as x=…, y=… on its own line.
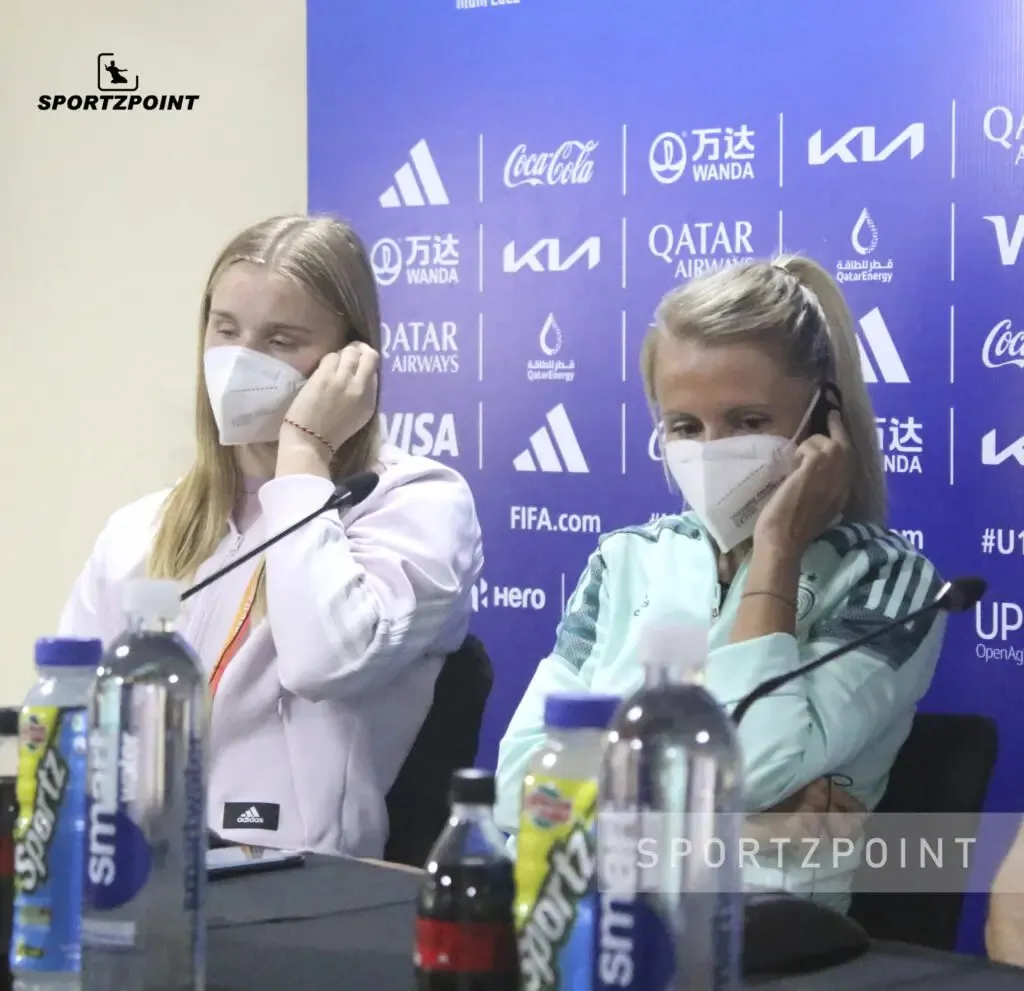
x=843, y=148
x=426, y=434
x=568, y=165
x=998, y=621
x=1001, y=129
x=1009, y=244
x=546, y=256
x=1003, y=346
x=990, y=456
x=484, y=596
x=418, y=347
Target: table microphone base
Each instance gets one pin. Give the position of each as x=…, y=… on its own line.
x=784, y=934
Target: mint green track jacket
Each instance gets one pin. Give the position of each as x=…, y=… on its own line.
x=847, y=718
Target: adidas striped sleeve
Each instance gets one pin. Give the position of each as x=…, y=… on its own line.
x=560, y=671
x=817, y=724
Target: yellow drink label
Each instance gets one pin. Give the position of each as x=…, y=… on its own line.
x=555, y=862
x=49, y=839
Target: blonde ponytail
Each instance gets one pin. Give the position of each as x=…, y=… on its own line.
x=868, y=491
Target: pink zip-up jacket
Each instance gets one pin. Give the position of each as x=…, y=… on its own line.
x=318, y=710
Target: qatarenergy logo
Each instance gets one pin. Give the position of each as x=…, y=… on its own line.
x=116, y=89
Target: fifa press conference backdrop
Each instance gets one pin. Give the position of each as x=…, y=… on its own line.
x=532, y=176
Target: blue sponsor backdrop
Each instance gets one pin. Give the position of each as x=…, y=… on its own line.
x=532, y=175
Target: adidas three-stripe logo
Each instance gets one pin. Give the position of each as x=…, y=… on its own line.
x=250, y=815
x=549, y=443
x=417, y=183
x=880, y=347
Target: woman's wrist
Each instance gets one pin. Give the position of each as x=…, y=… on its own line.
x=301, y=455
x=774, y=568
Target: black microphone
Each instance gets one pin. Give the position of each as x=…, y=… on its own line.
x=959, y=595
x=348, y=492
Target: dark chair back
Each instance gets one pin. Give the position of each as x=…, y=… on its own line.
x=942, y=772
x=417, y=803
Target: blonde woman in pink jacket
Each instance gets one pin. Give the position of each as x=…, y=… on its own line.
x=322, y=654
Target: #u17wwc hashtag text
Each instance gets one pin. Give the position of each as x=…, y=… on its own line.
x=997, y=540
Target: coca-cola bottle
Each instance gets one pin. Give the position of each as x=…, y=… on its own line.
x=465, y=934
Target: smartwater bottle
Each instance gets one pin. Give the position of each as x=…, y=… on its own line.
x=670, y=907
x=143, y=927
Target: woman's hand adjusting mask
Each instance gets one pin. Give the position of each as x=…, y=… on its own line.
x=338, y=400
x=811, y=497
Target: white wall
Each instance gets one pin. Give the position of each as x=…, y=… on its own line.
x=108, y=224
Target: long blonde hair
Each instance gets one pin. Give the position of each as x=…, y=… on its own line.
x=791, y=307
x=326, y=257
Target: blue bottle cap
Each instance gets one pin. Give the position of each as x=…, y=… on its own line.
x=68, y=652
x=580, y=711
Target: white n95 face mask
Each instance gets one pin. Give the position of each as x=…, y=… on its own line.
x=728, y=482
x=250, y=393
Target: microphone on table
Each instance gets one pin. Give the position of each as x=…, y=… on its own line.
x=828, y=937
x=347, y=493
x=958, y=595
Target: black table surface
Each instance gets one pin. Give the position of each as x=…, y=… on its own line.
x=347, y=925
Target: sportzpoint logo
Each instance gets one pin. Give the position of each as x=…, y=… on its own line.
x=845, y=149
x=1009, y=244
x=117, y=89
x=546, y=256
x=880, y=347
x=546, y=444
x=406, y=191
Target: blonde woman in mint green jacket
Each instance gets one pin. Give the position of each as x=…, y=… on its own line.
x=767, y=429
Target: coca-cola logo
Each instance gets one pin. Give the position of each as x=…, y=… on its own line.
x=569, y=165
x=1003, y=346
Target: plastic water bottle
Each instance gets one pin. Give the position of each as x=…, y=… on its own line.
x=143, y=927
x=48, y=863
x=670, y=908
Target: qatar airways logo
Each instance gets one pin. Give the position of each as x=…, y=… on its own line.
x=1003, y=346
x=568, y=165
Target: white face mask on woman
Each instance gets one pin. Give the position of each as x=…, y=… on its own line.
x=728, y=482
x=250, y=393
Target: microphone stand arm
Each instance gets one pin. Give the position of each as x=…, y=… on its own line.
x=331, y=503
x=772, y=684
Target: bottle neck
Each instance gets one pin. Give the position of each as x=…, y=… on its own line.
x=663, y=675
x=149, y=624
x=474, y=813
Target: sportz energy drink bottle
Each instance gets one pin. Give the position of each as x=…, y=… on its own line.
x=45, y=950
x=555, y=862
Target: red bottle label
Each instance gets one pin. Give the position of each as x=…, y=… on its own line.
x=465, y=947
